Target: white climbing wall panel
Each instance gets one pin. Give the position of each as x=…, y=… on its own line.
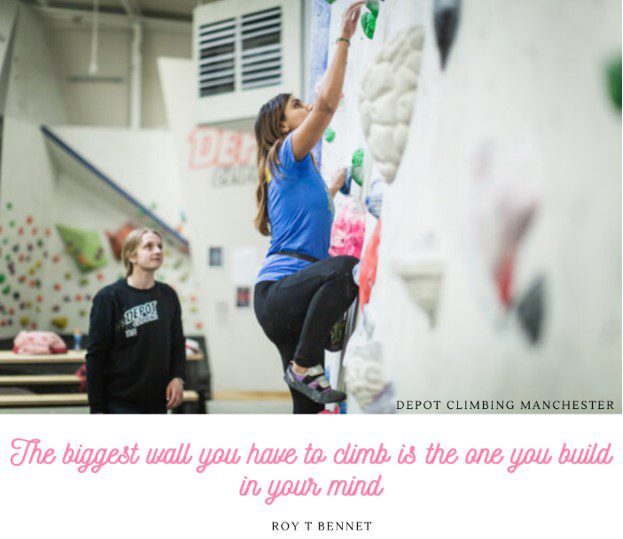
x=509, y=185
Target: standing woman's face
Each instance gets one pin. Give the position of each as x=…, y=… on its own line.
x=149, y=254
x=295, y=113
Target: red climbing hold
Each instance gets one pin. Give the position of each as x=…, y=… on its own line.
x=367, y=271
x=504, y=280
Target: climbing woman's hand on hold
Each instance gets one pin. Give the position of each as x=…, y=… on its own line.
x=350, y=17
x=337, y=180
x=175, y=393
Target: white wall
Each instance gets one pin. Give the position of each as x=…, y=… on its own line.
x=107, y=102
x=525, y=86
x=242, y=358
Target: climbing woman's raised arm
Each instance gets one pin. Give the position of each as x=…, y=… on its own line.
x=305, y=137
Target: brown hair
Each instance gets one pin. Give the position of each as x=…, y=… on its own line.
x=269, y=139
x=130, y=244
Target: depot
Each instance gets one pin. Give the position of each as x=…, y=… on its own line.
x=418, y=405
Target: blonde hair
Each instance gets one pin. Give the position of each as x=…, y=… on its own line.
x=131, y=243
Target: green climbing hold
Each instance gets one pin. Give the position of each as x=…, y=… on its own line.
x=329, y=134
x=329, y=1
x=356, y=169
x=84, y=247
x=9, y=205
x=373, y=6
x=6, y=290
x=2, y=278
x=614, y=82
x=11, y=223
x=368, y=23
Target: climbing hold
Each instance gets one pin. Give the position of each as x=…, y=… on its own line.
x=24, y=321
x=56, y=308
x=38, y=264
x=373, y=6
x=78, y=297
x=329, y=1
x=387, y=96
x=374, y=200
x=11, y=223
x=100, y=276
x=11, y=267
x=357, y=166
x=15, y=248
x=178, y=263
x=85, y=245
x=9, y=205
x=153, y=206
x=329, y=134
x=57, y=287
x=199, y=325
x=614, y=82
x=29, y=247
x=20, y=231
x=66, y=299
x=56, y=259
x=2, y=278
x=6, y=290
x=59, y=322
x=183, y=216
x=446, y=14
x=16, y=296
x=530, y=310
x=39, y=299
x=39, y=243
x=22, y=278
x=83, y=281
x=47, y=232
x=82, y=312
x=67, y=275
x=117, y=238
x=29, y=220
x=34, y=231
x=368, y=23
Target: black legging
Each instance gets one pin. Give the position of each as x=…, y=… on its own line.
x=298, y=312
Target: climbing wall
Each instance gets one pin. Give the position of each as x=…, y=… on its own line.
x=494, y=128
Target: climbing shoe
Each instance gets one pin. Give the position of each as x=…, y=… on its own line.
x=314, y=385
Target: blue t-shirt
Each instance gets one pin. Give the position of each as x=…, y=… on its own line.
x=300, y=211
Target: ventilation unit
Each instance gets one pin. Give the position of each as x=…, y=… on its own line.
x=245, y=53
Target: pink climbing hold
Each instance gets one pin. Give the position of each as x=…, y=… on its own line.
x=348, y=229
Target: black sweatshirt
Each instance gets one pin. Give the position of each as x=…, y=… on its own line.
x=136, y=346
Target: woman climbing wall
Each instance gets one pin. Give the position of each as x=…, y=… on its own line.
x=300, y=292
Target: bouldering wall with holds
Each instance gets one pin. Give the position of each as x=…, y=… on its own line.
x=54, y=211
x=499, y=261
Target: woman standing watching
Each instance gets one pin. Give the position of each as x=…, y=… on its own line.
x=300, y=292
